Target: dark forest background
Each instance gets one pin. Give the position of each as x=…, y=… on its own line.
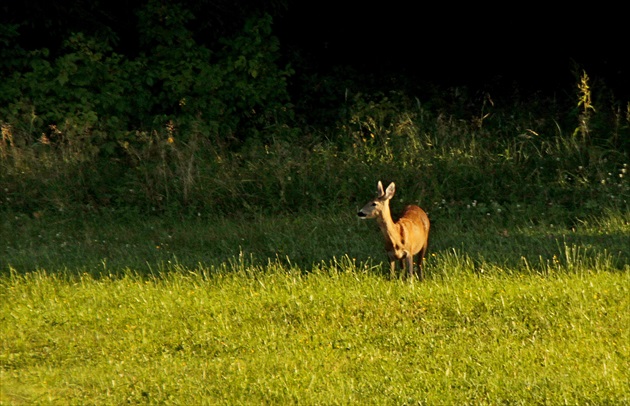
x=216, y=104
x=534, y=47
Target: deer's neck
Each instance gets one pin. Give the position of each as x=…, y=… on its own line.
x=388, y=227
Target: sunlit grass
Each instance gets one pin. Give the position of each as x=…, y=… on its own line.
x=299, y=309
x=341, y=334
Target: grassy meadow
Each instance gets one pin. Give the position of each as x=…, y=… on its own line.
x=341, y=334
x=190, y=273
x=218, y=312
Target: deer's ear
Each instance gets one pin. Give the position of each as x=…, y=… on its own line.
x=379, y=189
x=391, y=189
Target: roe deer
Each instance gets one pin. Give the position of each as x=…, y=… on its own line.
x=404, y=238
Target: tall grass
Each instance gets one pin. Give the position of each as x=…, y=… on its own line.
x=454, y=154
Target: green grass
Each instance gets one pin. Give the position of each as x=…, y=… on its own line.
x=339, y=335
x=523, y=240
x=298, y=309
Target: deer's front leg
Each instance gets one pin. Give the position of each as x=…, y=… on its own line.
x=409, y=261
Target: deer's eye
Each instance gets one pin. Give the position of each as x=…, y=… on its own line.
x=374, y=204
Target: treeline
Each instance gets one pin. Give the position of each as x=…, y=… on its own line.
x=236, y=90
x=173, y=112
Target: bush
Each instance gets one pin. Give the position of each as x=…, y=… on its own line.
x=235, y=93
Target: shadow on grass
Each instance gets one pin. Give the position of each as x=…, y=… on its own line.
x=109, y=245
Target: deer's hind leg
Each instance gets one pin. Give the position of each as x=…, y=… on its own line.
x=421, y=255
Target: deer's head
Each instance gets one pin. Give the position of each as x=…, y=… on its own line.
x=375, y=207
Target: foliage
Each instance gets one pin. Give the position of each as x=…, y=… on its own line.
x=236, y=91
x=90, y=91
x=443, y=162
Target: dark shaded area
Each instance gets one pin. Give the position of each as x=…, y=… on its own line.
x=532, y=48
x=455, y=45
x=109, y=245
x=45, y=24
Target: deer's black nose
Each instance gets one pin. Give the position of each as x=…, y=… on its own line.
x=361, y=214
